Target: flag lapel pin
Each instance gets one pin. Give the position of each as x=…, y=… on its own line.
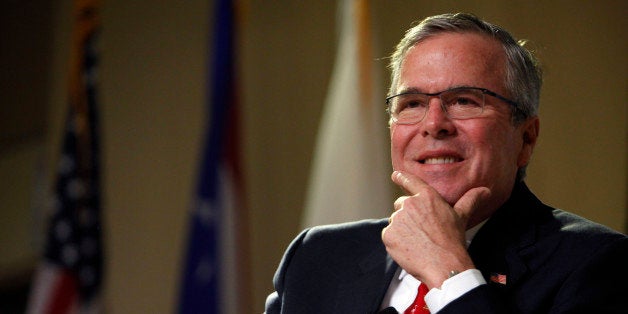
x=498, y=278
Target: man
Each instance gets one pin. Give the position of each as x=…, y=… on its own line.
x=463, y=104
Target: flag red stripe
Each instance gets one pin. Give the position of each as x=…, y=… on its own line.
x=64, y=294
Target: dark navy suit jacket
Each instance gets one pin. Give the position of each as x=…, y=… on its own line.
x=552, y=262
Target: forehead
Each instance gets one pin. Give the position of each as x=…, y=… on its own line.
x=453, y=59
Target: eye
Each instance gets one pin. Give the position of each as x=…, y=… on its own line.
x=463, y=98
x=411, y=101
x=412, y=104
x=465, y=101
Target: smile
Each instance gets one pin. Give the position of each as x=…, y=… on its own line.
x=439, y=160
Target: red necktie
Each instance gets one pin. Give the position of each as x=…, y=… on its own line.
x=418, y=306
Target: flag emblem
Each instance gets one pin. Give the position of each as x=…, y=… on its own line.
x=498, y=278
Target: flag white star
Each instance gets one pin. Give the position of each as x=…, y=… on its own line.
x=206, y=213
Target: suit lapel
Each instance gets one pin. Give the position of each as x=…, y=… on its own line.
x=365, y=291
x=503, y=248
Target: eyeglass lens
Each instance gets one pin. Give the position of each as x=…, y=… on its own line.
x=458, y=103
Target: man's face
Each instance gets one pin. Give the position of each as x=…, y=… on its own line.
x=454, y=156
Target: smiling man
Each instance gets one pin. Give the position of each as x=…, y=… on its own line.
x=469, y=236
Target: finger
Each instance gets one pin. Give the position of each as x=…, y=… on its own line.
x=399, y=202
x=470, y=201
x=411, y=183
x=392, y=216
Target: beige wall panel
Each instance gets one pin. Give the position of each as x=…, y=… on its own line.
x=152, y=96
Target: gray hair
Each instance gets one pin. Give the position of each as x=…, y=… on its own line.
x=523, y=73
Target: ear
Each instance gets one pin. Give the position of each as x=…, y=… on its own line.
x=530, y=133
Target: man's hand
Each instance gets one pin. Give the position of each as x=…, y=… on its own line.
x=426, y=236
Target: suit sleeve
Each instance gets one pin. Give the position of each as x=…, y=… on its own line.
x=275, y=301
x=596, y=286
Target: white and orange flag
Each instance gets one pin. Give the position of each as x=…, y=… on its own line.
x=351, y=170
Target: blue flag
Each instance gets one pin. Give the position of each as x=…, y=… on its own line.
x=216, y=255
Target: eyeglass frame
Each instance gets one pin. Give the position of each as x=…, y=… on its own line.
x=484, y=91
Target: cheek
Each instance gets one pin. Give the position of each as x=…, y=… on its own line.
x=398, y=142
x=496, y=143
x=505, y=146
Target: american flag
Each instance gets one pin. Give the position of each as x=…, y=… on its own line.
x=69, y=277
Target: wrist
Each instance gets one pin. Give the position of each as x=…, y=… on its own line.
x=453, y=273
x=453, y=288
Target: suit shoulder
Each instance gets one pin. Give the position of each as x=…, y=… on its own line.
x=339, y=242
x=582, y=239
x=359, y=229
x=577, y=226
x=359, y=237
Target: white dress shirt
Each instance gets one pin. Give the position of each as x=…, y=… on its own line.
x=403, y=288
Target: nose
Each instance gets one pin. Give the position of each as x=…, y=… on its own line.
x=436, y=123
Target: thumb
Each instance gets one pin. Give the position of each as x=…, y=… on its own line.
x=471, y=201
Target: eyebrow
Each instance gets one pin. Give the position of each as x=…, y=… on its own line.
x=412, y=90
x=409, y=90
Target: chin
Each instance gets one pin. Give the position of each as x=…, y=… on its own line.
x=450, y=197
x=448, y=192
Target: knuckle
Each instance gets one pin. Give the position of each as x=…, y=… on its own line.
x=386, y=237
x=399, y=201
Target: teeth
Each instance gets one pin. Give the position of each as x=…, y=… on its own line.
x=440, y=160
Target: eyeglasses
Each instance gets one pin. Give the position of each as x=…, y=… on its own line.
x=458, y=103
